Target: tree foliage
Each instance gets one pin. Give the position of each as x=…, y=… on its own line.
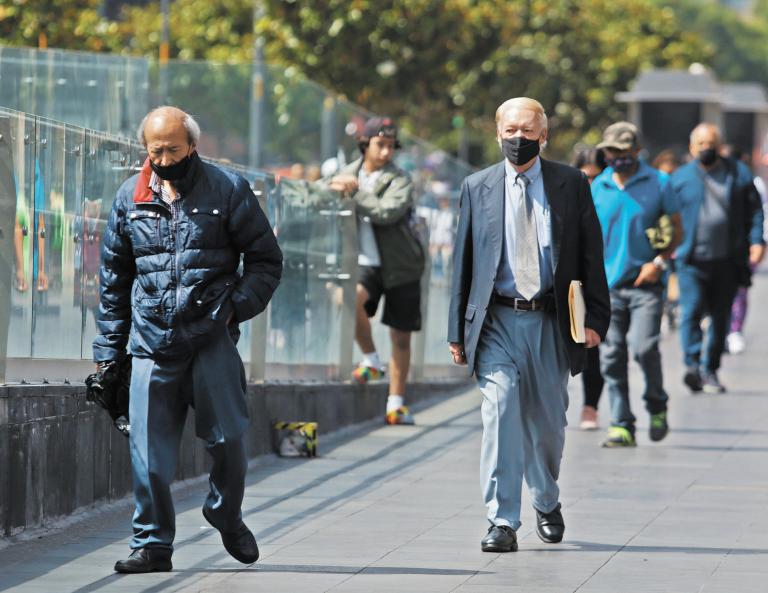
x=68, y=24
x=737, y=43
x=429, y=61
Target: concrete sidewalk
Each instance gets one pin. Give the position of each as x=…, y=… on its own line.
x=399, y=509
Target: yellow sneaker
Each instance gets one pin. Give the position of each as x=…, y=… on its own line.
x=363, y=374
x=399, y=416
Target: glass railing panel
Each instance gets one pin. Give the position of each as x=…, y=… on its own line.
x=437, y=177
x=98, y=91
x=293, y=124
x=305, y=321
x=57, y=316
x=23, y=130
x=305, y=128
x=108, y=162
x=325, y=283
x=15, y=81
x=217, y=95
x=287, y=325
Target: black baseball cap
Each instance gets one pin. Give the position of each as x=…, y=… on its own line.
x=380, y=126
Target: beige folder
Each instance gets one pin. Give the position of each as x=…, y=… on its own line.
x=577, y=310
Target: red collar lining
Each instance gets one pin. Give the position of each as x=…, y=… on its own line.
x=143, y=193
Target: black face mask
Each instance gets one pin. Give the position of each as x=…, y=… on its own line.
x=172, y=172
x=519, y=150
x=708, y=156
x=622, y=164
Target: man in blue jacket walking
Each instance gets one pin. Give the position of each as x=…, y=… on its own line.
x=629, y=198
x=171, y=294
x=723, y=233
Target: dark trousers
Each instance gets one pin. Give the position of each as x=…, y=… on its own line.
x=212, y=380
x=706, y=288
x=592, y=378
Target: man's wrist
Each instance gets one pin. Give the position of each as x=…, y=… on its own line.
x=661, y=263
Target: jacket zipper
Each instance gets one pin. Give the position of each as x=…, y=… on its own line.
x=176, y=271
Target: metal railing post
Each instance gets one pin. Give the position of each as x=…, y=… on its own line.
x=348, y=267
x=419, y=344
x=257, y=368
x=7, y=222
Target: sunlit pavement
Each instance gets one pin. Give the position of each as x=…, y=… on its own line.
x=399, y=508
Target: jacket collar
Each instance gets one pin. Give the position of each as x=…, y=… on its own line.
x=143, y=192
x=388, y=172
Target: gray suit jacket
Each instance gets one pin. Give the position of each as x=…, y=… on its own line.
x=577, y=254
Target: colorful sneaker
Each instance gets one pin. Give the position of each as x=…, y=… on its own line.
x=618, y=436
x=363, y=374
x=659, y=427
x=399, y=416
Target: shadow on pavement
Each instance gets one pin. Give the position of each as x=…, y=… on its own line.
x=192, y=500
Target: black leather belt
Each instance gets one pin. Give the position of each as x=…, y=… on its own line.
x=544, y=303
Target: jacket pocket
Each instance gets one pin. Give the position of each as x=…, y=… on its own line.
x=210, y=298
x=205, y=227
x=150, y=311
x=144, y=228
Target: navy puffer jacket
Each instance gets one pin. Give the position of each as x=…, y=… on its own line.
x=167, y=284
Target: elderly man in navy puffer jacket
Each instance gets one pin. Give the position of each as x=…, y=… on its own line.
x=171, y=293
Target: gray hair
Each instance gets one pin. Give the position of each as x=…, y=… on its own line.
x=523, y=103
x=706, y=126
x=192, y=127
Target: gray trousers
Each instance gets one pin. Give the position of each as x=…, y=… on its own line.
x=212, y=381
x=522, y=372
x=635, y=325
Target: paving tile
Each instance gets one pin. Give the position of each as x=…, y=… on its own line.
x=400, y=510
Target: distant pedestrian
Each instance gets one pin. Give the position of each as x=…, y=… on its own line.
x=391, y=259
x=591, y=162
x=629, y=199
x=723, y=221
x=666, y=161
x=735, y=342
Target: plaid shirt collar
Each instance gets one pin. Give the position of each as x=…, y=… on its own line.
x=157, y=187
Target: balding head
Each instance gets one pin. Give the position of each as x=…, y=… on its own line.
x=706, y=130
x=169, y=135
x=165, y=120
x=705, y=137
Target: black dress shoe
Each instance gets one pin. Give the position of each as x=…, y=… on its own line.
x=146, y=560
x=240, y=543
x=500, y=538
x=550, y=526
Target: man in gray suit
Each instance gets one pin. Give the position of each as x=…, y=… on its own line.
x=527, y=228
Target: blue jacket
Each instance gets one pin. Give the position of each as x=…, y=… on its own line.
x=166, y=285
x=745, y=215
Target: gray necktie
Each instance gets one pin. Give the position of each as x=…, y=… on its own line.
x=527, y=274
